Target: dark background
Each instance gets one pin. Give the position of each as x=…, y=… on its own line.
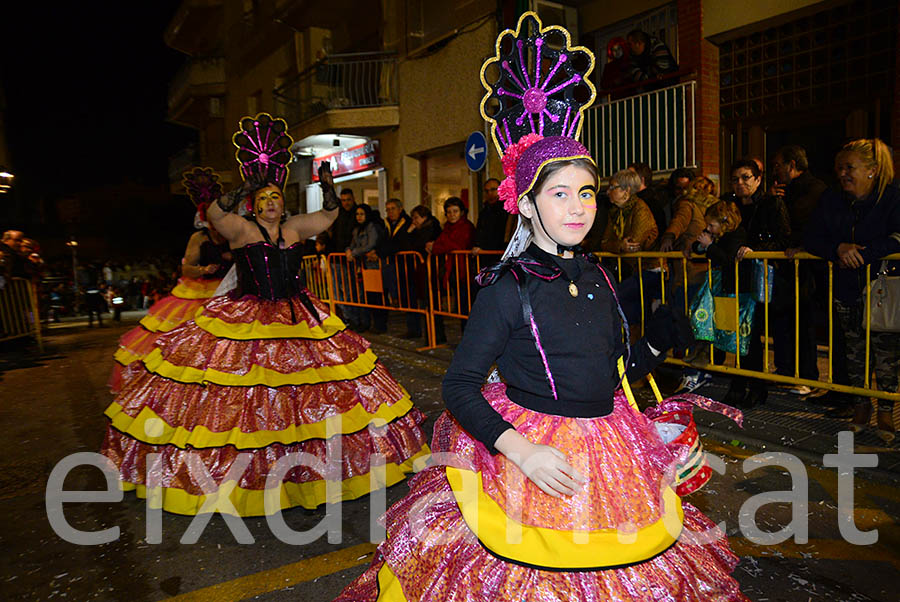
x=85, y=88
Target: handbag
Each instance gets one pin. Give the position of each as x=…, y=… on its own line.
x=713, y=315
x=884, y=302
x=759, y=280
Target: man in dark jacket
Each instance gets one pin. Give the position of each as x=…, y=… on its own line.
x=394, y=269
x=490, y=233
x=650, y=58
x=341, y=234
x=800, y=191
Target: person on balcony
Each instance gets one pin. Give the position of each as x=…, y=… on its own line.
x=616, y=71
x=855, y=227
x=458, y=235
x=650, y=59
x=800, y=191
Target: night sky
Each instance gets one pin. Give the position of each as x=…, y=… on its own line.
x=86, y=86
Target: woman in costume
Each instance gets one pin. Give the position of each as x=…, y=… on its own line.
x=553, y=486
x=261, y=374
x=206, y=261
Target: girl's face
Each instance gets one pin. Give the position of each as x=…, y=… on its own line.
x=854, y=177
x=268, y=203
x=714, y=227
x=360, y=216
x=417, y=220
x=453, y=213
x=567, y=203
x=618, y=195
x=744, y=183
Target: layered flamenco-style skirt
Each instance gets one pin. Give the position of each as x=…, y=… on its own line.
x=164, y=315
x=475, y=528
x=234, y=396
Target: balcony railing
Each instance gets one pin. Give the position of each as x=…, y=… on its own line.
x=340, y=81
x=657, y=128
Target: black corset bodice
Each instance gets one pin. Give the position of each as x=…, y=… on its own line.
x=211, y=253
x=266, y=271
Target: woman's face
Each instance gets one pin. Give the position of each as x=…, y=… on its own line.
x=744, y=183
x=417, y=220
x=567, y=204
x=618, y=195
x=714, y=227
x=360, y=216
x=854, y=177
x=268, y=203
x=453, y=213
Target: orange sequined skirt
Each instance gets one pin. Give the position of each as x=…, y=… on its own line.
x=475, y=528
x=250, y=387
x=164, y=315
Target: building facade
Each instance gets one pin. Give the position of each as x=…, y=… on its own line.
x=388, y=91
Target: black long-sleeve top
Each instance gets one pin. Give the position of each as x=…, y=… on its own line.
x=766, y=221
x=581, y=337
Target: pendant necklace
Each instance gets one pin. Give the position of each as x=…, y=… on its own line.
x=573, y=290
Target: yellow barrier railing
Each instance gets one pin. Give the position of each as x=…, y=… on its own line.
x=19, y=315
x=448, y=284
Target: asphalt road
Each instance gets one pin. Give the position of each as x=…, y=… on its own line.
x=52, y=406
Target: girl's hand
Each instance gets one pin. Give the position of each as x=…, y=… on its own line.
x=743, y=251
x=544, y=465
x=705, y=238
x=429, y=246
x=349, y=254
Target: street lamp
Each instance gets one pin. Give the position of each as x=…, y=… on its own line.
x=6, y=180
x=73, y=244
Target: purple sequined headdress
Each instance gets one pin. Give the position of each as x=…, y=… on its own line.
x=536, y=102
x=263, y=148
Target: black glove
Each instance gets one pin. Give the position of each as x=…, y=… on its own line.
x=330, y=200
x=231, y=199
x=667, y=329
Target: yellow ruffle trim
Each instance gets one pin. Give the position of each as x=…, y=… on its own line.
x=165, y=322
x=244, y=331
x=188, y=288
x=557, y=549
x=259, y=375
x=125, y=357
x=389, y=588
x=148, y=427
x=310, y=495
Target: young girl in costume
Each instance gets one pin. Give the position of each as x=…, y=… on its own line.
x=261, y=373
x=206, y=260
x=553, y=486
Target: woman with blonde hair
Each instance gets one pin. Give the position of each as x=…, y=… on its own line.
x=856, y=227
x=631, y=226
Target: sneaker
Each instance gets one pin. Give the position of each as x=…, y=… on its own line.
x=691, y=382
x=801, y=390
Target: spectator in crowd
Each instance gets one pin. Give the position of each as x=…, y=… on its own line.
x=676, y=186
x=394, y=269
x=95, y=303
x=11, y=254
x=768, y=228
x=617, y=70
x=458, y=235
x=341, y=233
x=108, y=273
x=650, y=58
x=650, y=195
x=631, y=227
x=855, y=227
x=425, y=229
x=800, y=192
x=490, y=233
x=363, y=240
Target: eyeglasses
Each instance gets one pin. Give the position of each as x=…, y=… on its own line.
x=493, y=189
x=742, y=178
x=614, y=187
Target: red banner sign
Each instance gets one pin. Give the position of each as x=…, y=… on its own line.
x=352, y=160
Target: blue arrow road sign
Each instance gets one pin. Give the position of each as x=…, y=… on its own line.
x=476, y=151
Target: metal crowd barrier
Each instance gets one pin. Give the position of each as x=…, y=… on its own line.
x=795, y=261
x=450, y=283
x=19, y=315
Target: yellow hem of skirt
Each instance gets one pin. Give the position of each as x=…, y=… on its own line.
x=125, y=357
x=156, y=324
x=557, y=549
x=389, y=588
x=259, y=375
x=251, y=502
x=202, y=291
x=244, y=331
x=148, y=427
